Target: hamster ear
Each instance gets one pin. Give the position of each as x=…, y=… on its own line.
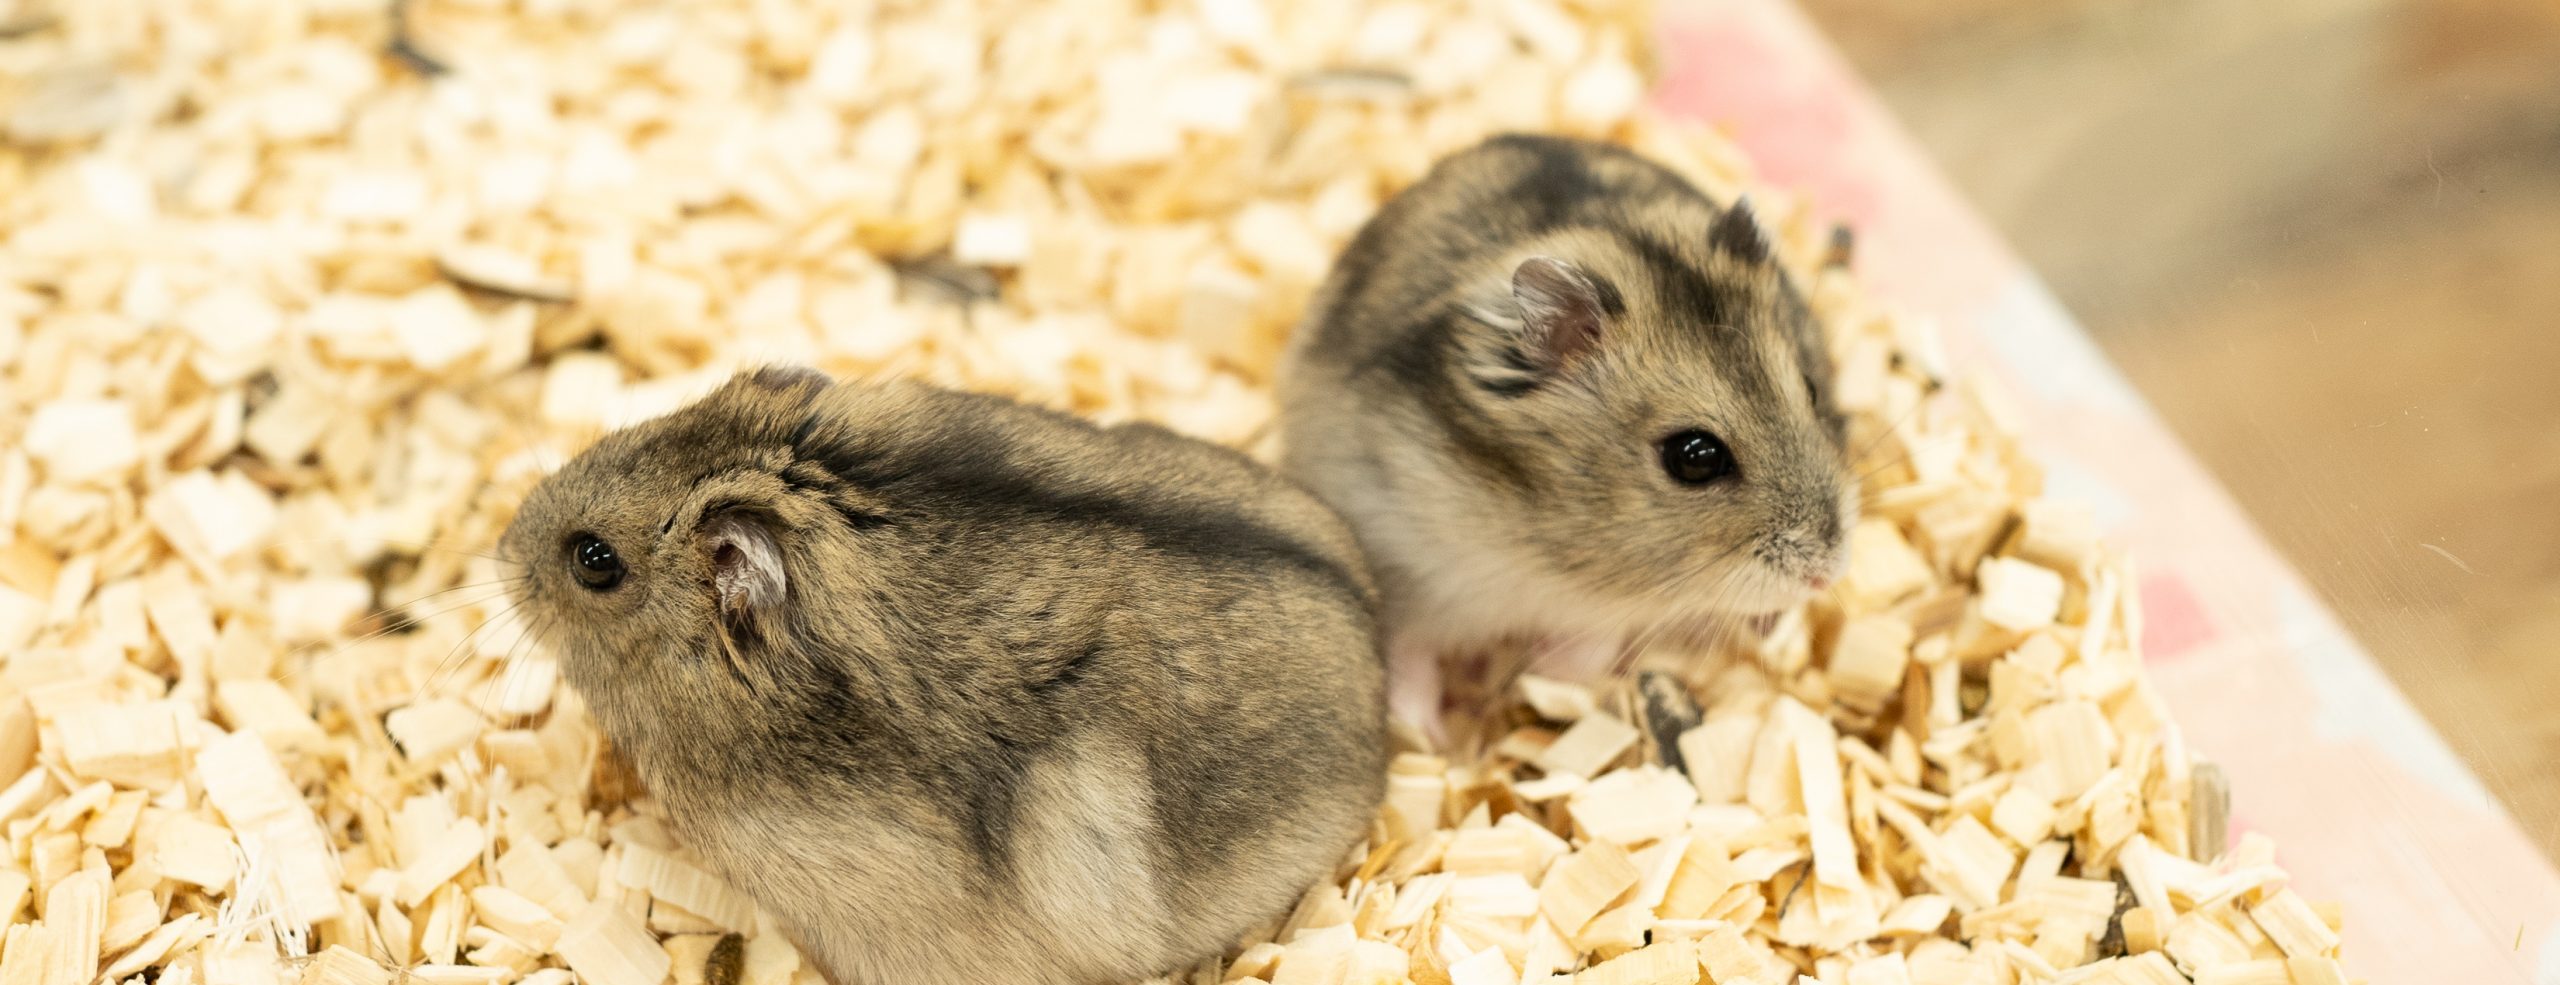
x=746, y=565
x=1737, y=233
x=1562, y=310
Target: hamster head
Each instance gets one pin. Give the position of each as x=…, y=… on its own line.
x=662, y=560
x=1654, y=411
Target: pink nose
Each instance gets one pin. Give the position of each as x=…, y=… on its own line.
x=1819, y=582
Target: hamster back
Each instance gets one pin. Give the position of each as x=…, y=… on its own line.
x=961, y=690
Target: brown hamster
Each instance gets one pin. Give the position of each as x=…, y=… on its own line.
x=962, y=690
x=1563, y=398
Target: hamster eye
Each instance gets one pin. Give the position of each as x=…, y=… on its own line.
x=1696, y=458
x=597, y=566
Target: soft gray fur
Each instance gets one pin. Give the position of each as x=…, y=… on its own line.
x=964, y=691
x=1483, y=384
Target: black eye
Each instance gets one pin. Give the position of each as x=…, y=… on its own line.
x=1811, y=395
x=594, y=562
x=1696, y=458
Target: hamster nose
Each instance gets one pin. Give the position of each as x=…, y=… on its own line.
x=1818, y=582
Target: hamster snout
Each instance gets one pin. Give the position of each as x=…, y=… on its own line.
x=961, y=690
x=1561, y=395
x=1809, y=534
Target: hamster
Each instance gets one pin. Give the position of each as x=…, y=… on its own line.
x=963, y=691
x=1566, y=400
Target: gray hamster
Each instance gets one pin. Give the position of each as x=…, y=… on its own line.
x=961, y=690
x=1566, y=400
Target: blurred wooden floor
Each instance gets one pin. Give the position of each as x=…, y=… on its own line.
x=2324, y=239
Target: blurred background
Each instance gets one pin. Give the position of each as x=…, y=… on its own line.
x=2323, y=236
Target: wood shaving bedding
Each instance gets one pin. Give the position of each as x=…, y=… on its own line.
x=300, y=298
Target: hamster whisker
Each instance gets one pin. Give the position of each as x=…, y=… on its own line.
x=506, y=658
x=423, y=547
x=1877, y=438
x=410, y=622
x=1718, y=590
x=1879, y=466
x=528, y=441
x=1644, y=639
x=396, y=617
x=1897, y=424
x=397, y=606
x=1715, y=594
x=305, y=652
x=460, y=655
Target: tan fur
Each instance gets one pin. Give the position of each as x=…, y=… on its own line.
x=1501, y=499
x=1033, y=701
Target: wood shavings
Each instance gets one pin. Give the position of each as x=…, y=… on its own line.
x=14, y=887
x=292, y=356
x=2315, y=971
x=77, y=908
x=2017, y=595
x=2210, y=817
x=685, y=885
x=1556, y=701
x=995, y=240
x=1584, y=883
x=340, y=966
x=209, y=518
x=1673, y=962
x=36, y=954
x=2058, y=534
x=77, y=441
x=274, y=826
x=132, y=744
x=164, y=941
x=429, y=730
x=1588, y=746
x=1486, y=967
x=191, y=850
x=265, y=708
x=1825, y=804
x=1631, y=806
x=607, y=946
x=502, y=272
x=1868, y=659
x=2295, y=928
x=439, y=860
x=2269, y=972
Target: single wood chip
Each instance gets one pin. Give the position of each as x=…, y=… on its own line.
x=1673, y=962
x=1588, y=747
x=2245, y=973
x=607, y=946
x=1638, y=804
x=2293, y=925
x=1584, y=883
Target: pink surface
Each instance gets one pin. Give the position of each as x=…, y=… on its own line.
x=2366, y=802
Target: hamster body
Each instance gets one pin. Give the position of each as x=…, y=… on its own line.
x=1565, y=399
x=961, y=690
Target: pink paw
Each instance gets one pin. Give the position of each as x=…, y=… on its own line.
x=1414, y=693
